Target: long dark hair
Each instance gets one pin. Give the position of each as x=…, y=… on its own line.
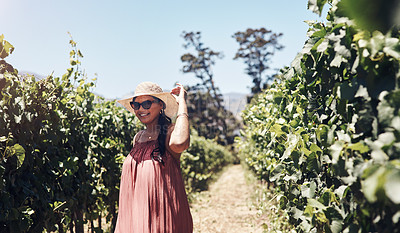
x=163, y=122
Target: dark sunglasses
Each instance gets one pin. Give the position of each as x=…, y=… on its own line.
x=145, y=104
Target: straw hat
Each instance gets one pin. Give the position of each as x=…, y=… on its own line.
x=150, y=88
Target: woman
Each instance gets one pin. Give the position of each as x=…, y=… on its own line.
x=152, y=193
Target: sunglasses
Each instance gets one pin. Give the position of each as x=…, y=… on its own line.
x=145, y=104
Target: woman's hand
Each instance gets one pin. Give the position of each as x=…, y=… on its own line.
x=179, y=92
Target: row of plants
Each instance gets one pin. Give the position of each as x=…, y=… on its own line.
x=62, y=149
x=202, y=161
x=327, y=134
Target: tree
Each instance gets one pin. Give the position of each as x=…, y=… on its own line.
x=205, y=106
x=256, y=49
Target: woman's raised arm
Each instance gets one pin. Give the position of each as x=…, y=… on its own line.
x=180, y=136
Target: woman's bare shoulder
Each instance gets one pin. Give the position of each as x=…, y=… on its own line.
x=136, y=137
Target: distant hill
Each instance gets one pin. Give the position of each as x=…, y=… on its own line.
x=235, y=102
x=28, y=73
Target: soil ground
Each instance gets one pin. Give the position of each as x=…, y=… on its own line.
x=228, y=206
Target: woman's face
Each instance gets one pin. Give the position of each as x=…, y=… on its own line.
x=148, y=116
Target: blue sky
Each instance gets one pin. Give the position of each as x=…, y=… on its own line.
x=127, y=42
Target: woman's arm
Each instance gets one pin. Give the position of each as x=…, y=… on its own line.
x=179, y=139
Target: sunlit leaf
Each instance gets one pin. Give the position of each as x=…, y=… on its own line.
x=336, y=226
x=372, y=184
x=19, y=151
x=392, y=186
x=322, y=133
x=396, y=217
x=359, y=146
x=316, y=6
x=316, y=204
x=340, y=191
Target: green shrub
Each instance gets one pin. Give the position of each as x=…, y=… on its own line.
x=201, y=161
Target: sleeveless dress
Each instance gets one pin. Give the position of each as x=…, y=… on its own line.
x=152, y=196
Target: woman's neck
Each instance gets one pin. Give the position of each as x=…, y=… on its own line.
x=152, y=128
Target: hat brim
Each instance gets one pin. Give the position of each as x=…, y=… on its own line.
x=171, y=106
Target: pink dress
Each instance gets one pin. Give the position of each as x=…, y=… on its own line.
x=152, y=196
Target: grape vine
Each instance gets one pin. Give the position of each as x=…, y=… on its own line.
x=328, y=134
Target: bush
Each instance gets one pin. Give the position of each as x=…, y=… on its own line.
x=201, y=161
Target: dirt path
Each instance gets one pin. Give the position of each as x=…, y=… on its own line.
x=226, y=207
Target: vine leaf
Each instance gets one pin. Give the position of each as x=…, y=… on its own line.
x=5, y=47
x=371, y=184
x=316, y=6
x=19, y=151
x=392, y=186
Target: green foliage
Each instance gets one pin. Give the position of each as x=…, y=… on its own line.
x=5, y=50
x=381, y=15
x=317, y=6
x=202, y=161
x=328, y=134
x=5, y=47
x=371, y=15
